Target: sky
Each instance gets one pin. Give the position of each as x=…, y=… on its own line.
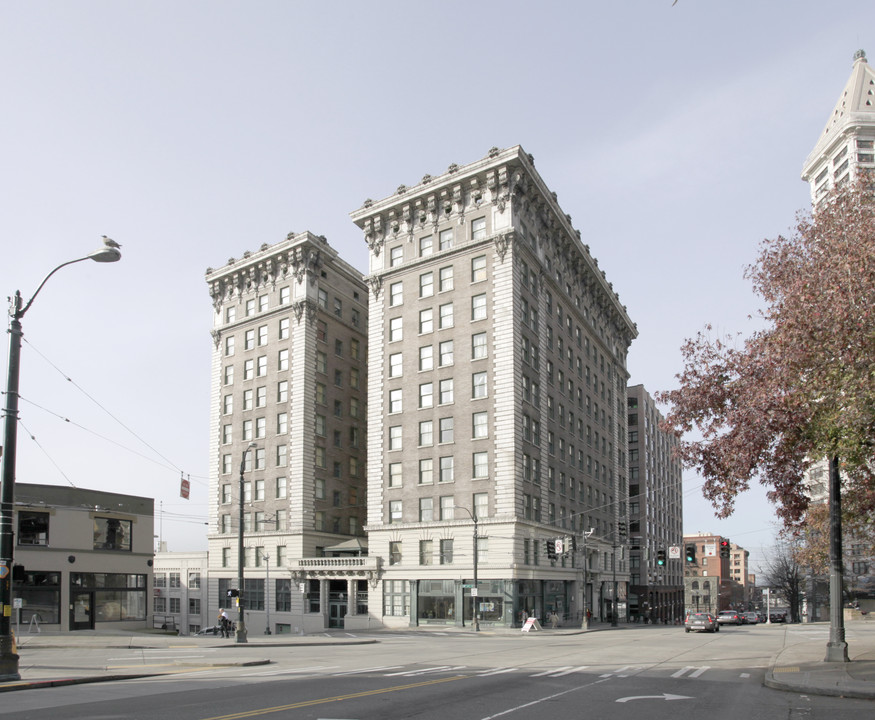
x=192, y=131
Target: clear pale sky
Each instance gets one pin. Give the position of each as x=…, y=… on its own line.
x=193, y=131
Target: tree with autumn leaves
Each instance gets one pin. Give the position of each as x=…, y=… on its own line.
x=801, y=389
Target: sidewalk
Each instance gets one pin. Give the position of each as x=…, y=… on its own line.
x=797, y=667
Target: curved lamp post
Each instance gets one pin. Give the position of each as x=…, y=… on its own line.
x=8, y=658
x=476, y=589
x=240, y=635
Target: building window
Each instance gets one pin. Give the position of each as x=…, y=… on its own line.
x=229, y=346
x=426, y=509
x=480, y=425
x=395, y=437
x=478, y=268
x=478, y=307
x=446, y=353
x=426, y=245
x=426, y=321
x=426, y=285
x=395, y=402
x=396, y=255
x=445, y=391
x=284, y=328
x=445, y=281
x=395, y=476
x=33, y=528
x=426, y=433
x=478, y=229
x=282, y=391
x=395, y=515
x=229, y=375
x=426, y=395
x=112, y=534
x=426, y=357
x=480, y=462
x=426, y=471
x=396, y=331
x=446, y=316
x=445, y=434
x=395, y=364
x=446, y=547
x=226, y=557
x=426, y=552
x=445, y=239
x=281, y=487
x=447, y=469
x=396, y=293
x=478, y=385
x=394, y=554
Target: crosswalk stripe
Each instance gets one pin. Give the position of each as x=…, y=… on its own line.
x=568, y=671
x=550, y=672
x=496, y=671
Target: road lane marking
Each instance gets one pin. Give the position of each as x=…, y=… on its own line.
x=568, y=671
x=366, y=670
x=699, y=671
x=336, y=698
x=550, y=672
x=548, y=698
x=496, y=671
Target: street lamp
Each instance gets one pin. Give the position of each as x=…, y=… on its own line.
x=8, y=658
x=476, y=588
x=267, y=598
x=585, y=624
x=240, y=635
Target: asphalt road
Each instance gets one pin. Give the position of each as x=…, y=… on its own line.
x=652, y=672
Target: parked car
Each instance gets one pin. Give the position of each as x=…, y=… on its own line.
x=777, y=617
x=729, y=617
x=214, y=630
x=703, y=621
x=751, y=618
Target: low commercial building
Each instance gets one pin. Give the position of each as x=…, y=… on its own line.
x=83, y=559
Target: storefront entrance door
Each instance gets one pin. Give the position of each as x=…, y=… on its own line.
x=82, y=611
x=336, y=613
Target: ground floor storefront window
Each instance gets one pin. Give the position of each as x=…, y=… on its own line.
x=40, y=595
x=436, y=601
x=396, y=598
x=117, y=596
x=489, y=602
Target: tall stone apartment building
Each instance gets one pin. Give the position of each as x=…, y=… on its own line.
x=496, y=403
x=847, y=143
x=655, y=513
x=289, y=404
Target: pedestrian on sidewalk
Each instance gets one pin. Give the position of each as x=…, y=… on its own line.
x=224, y=624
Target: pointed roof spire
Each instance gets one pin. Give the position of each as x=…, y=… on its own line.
x=854, y=110
x=857, y=97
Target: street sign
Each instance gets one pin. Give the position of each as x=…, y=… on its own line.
x=467, y=586
x=674, y=551
x=474, y=592
x=560, y=546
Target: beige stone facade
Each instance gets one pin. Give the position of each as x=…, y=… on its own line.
x=496, y=390
x=289, y=375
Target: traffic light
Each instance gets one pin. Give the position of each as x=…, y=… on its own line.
x=622, y=530
x=233, y=593
x=691, y=554
x=660, y=558
x=724, y=547
x=551, y=549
